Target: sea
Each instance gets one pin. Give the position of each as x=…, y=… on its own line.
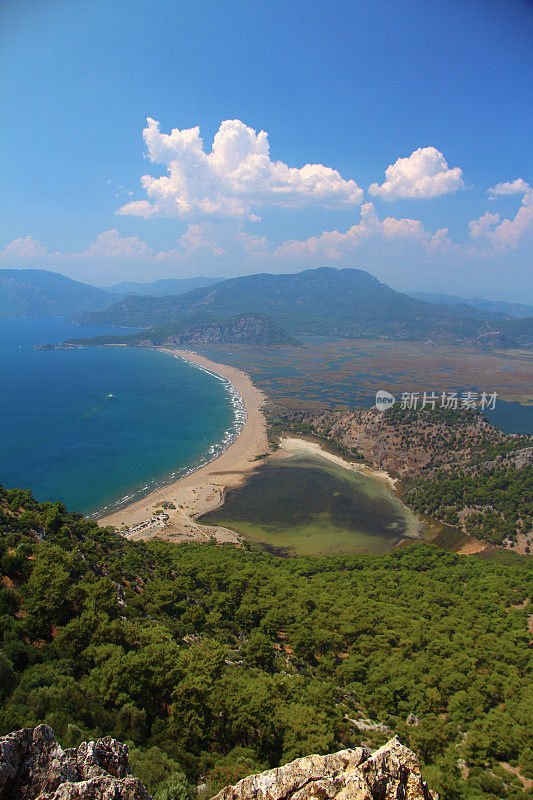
x=99, y=427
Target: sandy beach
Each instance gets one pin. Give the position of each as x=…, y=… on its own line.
x=203, y=490
x=292, y=445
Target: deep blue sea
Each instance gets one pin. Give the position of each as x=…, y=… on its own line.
x=99, y=427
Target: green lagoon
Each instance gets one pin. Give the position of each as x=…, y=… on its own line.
x=304, y=504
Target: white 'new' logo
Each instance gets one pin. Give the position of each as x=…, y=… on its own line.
x=384, y=400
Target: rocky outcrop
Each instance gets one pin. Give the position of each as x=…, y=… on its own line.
x=412, y=444
x=516, y=458
x=491, y=339
x=33, y=766
x=391, y=773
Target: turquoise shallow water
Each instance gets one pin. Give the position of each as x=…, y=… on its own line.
x=100, y=427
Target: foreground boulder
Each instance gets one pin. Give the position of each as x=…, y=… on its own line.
x=34, y=767
x=391, y=773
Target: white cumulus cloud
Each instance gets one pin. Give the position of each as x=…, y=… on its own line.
x=519, y=186
x=112, y=245
x=198, y=240
x=236, y=176
x=335, y=245
x=25, y=248
x=482, y=226
x=506, y=233
x=425, y=173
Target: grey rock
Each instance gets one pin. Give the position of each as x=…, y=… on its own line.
x=33, y=766
x=516, y=458
x=392, y=772
x=103, y=788
x=31, y=761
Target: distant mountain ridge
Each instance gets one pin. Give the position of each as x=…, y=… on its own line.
x=324, y=301
x=42, y=293
x=517, y=310
x=163, y=286
x=327, y=301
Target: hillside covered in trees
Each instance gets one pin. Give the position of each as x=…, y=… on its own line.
x=215, y=662
x=42, y=293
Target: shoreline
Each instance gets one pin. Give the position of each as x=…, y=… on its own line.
x=202, y=489
x=290, y=443
x=294, y=445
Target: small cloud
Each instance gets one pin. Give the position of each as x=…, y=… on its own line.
x=137, y=208
x=25, y=248
x=507, y=233
x=424, y=174
x=195, y=239
x=334, y=245
x=484, y=225
x=119, y=189
x=519, y=186
x=112, y=245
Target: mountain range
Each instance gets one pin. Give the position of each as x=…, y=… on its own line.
x=162, y=287
x=324, y=301
x=41, y=293
x=518, y=310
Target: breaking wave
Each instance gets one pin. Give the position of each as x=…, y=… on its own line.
x=210, y=453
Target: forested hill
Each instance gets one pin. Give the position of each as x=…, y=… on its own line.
x=218, y=662
x=41, y=293
x=346, y=302
x=202, y=328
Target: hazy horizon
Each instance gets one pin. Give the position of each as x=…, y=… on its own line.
x=525, y=301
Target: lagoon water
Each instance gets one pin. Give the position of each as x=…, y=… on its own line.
x=307, y=505
x=99, y=427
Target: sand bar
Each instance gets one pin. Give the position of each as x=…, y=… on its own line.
x=291, y=445
x=203, y=490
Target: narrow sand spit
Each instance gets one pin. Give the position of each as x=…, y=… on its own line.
x=291, y=445
x=203, y=490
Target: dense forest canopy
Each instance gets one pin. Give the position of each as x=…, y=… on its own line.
x=494, y=504
x=215, y=662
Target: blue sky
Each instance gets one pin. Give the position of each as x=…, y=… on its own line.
x=350, y=87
